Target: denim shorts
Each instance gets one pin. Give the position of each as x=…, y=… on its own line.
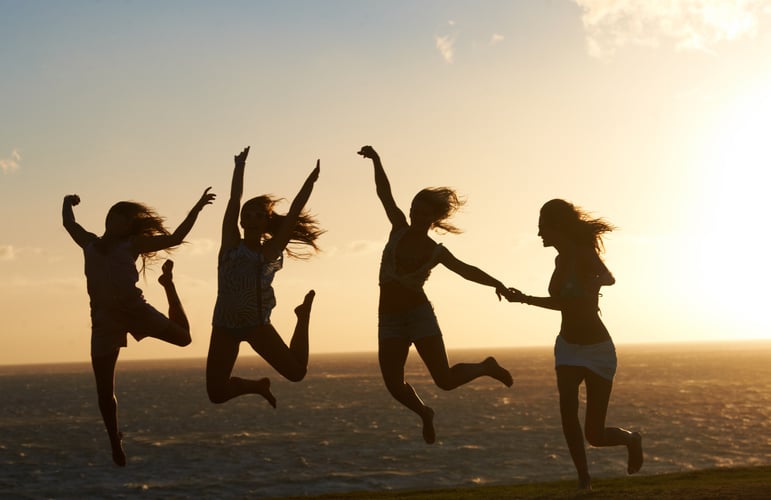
x=410, y=325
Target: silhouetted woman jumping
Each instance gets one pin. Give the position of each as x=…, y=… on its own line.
x=405, y=315
x=245, y=297
x=584, y=351
x=132, y=230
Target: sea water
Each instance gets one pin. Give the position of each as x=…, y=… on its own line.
x=697, y=406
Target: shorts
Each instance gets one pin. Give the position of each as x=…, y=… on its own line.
x=600, y=358
x=242, y=333
x=109, y=326
x=410, y=325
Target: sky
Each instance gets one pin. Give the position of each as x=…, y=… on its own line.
x=652, y=114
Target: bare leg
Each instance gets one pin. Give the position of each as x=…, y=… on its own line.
x=568, y=380
x=392, y=354
x=434, y=355
x=181, y=334
x=220, y=385
x=598, y=392
x=635, y=451
x=104, y=373
x=291, y=362
x=299, y=343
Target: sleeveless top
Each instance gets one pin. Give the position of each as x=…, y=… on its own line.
x=245, y=296
x=389, y=272
x=111, y=277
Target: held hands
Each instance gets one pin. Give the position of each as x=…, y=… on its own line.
x=510, y=294
x=72, y=200
x=368, y=152
x=514, y=295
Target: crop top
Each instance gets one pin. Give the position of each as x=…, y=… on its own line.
x=389, y=271
x=245, y=295
x=111, y=276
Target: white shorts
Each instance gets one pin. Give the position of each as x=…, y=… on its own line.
x=599, y=358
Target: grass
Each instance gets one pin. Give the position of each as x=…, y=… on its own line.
x=721, y=483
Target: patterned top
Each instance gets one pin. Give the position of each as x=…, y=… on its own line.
x=245, y=296
x=389, y=270
x=111, y=277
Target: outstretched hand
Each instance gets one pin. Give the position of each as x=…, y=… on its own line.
x=207, y=198
x=315, y=172
x=240, y=158
x=72, y=199
x=368, y=152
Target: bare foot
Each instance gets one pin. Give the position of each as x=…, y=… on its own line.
x=429, y=435
x=263, y=389
x=635, y=454
x=118, y=454
x=498, y=372
x=166, y=279
x=304, y=309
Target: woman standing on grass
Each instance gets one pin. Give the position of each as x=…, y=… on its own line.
x=405, y=315
x=117, y=305
x=584, y=351
x=245, y=297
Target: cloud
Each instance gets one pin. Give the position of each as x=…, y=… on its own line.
x=495, y=39
x=11, y=164
x=446, y=46
x=689, y=24
x=200, y=246
x=7, y=252
x=364, y=247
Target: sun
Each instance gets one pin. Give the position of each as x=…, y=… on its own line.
x=731, y=234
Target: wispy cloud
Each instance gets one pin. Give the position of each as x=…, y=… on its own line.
x=364, y=247
x=446, y=46
x=688, y=24
x=7, y=252
x=495, y=39
x=10, y=164
x=200, y=246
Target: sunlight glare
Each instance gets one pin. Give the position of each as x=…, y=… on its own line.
x=731, y=234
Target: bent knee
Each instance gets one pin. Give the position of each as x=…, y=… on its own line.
x=216, y=396
x=297, y=375
x=595, y=438
x=444, y=382
x=217, y=392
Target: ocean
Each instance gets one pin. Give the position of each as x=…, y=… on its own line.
x=697, y=406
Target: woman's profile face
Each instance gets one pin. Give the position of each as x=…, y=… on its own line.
x=547, y=231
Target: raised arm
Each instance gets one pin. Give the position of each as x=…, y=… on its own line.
x=383, y=188
x=273, y=247
x=231, y=235
x=472, y=273
x=146, y=244
x=76, y=231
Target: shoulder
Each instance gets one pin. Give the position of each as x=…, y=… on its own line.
x=588, y=256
